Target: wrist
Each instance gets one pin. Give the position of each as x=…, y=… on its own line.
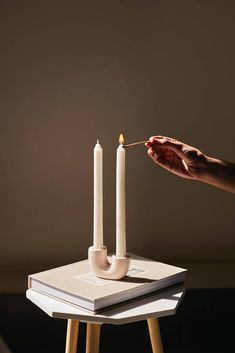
x=219, y=173
x=215, y=172
x=210, y=168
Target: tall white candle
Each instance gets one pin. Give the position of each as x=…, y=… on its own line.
x=98, y=197
x=120, y=203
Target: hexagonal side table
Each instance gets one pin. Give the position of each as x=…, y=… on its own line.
x=148, y=308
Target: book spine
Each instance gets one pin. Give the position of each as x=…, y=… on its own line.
x=29, y=282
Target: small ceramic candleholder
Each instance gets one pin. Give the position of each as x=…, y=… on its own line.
x=101, y=266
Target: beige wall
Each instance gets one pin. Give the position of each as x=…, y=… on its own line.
x=74, y=72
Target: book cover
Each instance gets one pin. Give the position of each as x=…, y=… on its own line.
x=74, y=283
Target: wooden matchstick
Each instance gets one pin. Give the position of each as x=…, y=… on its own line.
x=135, y=143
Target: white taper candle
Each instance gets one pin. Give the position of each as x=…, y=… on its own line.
x=98, y=197
x=120, y=203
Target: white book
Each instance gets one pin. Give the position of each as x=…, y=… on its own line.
x=77, y=285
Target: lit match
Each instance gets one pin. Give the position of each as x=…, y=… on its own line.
x=135, y=144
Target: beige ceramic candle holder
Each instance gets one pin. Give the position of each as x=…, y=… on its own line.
x=101, y=266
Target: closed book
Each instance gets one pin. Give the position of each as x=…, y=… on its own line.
x=75, y=284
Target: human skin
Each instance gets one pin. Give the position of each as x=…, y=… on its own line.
x=189, y=162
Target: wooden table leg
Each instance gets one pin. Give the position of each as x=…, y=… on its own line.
x=92, y=338
x=155, y=335
x=72, y=336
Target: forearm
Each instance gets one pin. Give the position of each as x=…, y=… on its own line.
x=219, y=173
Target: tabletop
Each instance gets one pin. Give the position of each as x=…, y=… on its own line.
x=158, y=304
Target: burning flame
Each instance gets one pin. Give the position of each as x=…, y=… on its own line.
x=121, y=139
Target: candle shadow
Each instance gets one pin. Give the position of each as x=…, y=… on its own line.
x=137, y=279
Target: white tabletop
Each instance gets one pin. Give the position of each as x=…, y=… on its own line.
x=159, y=304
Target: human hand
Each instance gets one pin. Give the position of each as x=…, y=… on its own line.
x=177, y=157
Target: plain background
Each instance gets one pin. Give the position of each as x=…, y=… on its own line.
x=75, y=71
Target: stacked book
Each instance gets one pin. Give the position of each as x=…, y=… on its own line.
x=75, y=284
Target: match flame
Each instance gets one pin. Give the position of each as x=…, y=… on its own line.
x=121, y=139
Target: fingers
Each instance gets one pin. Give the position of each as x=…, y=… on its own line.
x=151, y=152
x=159, y=142
x=173, y=155
x=169, y=160
x=153, y=155
x=152, y=140
x=163, y=139
x=160, y=139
